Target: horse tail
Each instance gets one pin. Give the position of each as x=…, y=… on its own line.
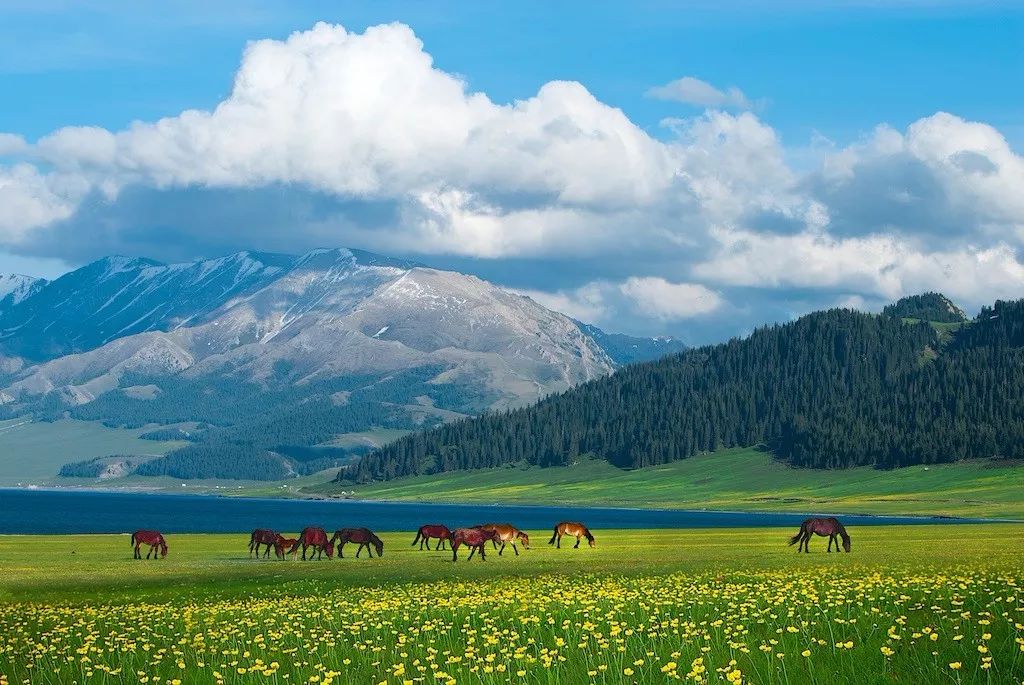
x=416, y=539
x=796, y=538
x=553, y=536
x=133, y=540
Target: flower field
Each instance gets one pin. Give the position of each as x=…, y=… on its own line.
x=910, y=605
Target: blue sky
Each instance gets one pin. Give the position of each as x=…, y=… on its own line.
x=721, y=194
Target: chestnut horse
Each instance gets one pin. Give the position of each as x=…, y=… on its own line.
x=265, y=536
x=577, y=530
x=152, y=538
x=434, y=530
x=474, y=538
x=287, y=546
x=507, y=534
x=317, y=539
x=824, y=526
x=364, y=537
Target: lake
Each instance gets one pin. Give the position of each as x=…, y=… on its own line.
x=81, y=511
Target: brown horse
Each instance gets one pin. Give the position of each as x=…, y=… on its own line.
x=265, y=536
x=317, y=539
x=432, y=530
x=152, y=538
x=364, y=537
x=821, y=526
x=474, y=538
x=577, y=530
x=287, y=546
x=507, y=534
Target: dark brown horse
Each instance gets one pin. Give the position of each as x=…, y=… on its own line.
x=152, y=538
x=824, y=526
x=574, y=529
x=474, y=538
x=265, y=536
x=317, y=539
x=432, y=530
x=364, y=537
x=507, y=534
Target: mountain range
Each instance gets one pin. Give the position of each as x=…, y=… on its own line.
x=355, y=338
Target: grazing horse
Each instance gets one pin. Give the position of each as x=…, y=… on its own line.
x=364, y=537
x=317, y=539
x=474, y=538
x=507, y=534
x=827, y=526
x=577, y=530
x=432, y=530
x=287, y=546
x=265, y=536
x=152, y=538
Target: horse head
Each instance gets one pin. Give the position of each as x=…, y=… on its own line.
x=525, y=539
x=846, y=543
x=329, y=548
x=163, y=547
x=379, y=545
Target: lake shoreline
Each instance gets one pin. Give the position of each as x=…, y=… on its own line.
x=70, y=511
x=313, y=497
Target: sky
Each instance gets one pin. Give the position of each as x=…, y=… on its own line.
x=691, y=169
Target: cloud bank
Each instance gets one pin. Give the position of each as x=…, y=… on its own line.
x=337, y=138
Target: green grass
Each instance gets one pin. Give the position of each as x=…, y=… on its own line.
x=643, y=606
x=32, y=452
x=741, y=479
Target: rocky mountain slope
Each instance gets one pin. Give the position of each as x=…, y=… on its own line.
x=355, y=339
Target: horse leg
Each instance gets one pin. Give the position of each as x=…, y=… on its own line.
x=483, y=551
x=502, y=550
x=472, y=551
x=558, y=544
x=577, y=545
x=807, y=542
x=136, y=555
x=359, y=550
x=515, y=549
x=831, y=539
x=455, y=552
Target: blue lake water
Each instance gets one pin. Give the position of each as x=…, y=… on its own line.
x=77, y=511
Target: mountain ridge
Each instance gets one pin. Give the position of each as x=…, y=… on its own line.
x=831, y=389
x=333, y=337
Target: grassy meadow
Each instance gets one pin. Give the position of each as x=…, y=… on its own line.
x=915, y=604
x=739, y=479
x=32, y=452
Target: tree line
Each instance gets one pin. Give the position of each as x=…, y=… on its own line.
x=833, y=389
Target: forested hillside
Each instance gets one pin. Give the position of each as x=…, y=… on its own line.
x=833, y=389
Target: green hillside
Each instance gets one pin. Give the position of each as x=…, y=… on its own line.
x=740, y=479
x=834, y=389
x=31, y=452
